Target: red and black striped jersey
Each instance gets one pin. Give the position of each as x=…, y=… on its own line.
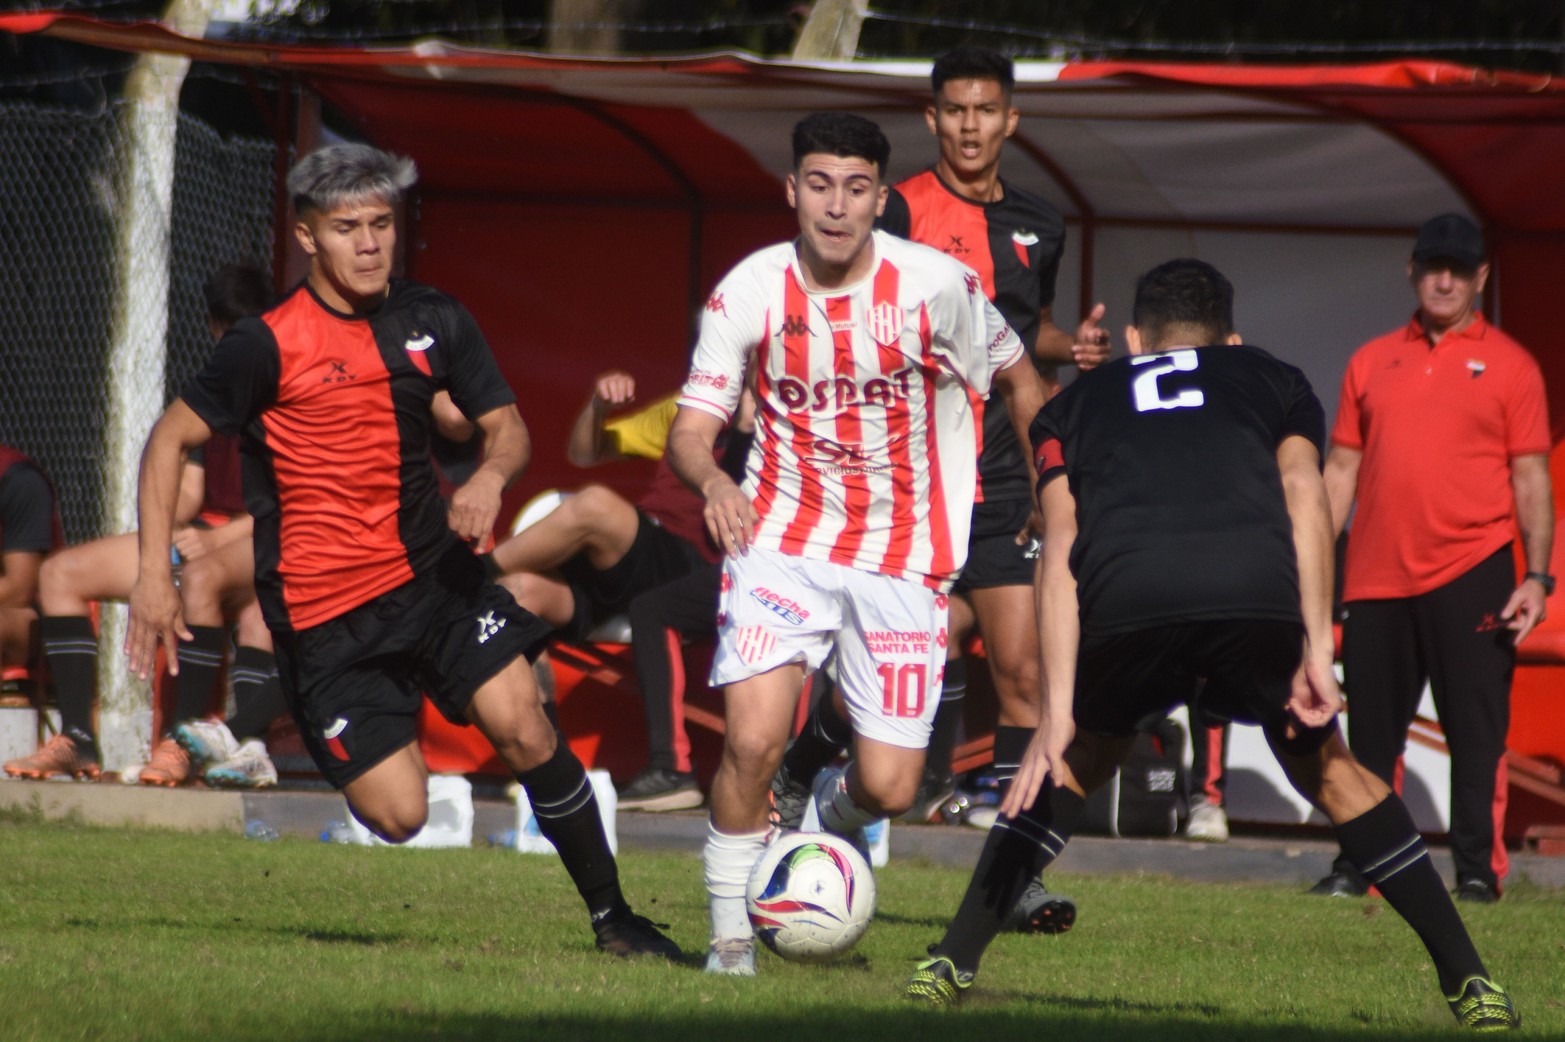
x=334, y=414
x=1015, y=245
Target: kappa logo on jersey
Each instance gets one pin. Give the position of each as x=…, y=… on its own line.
x=779, y=605
x=835, y=458
x=715, y=303
x=885, y=324
x=337, y=372
x=974, y=284
x=488, y=626
x=754, y=643
x=725, y=583
x=835, y=395
x=419, y=341
x=794, y=325
x=701, y=377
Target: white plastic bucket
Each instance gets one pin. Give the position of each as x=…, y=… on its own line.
x=18, y=732
x=529, y=840
x=450, y=821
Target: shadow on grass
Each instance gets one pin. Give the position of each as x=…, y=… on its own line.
x=1049, y=1020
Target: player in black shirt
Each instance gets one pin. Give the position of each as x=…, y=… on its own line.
x=1192, y=540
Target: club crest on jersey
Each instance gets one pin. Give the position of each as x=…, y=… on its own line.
x=419, y=341
x=779, y=605
x=885, y=324
x=1023, y=237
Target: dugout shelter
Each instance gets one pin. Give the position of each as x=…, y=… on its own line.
x=584, y=208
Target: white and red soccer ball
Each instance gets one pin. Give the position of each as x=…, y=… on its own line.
x=810, y=896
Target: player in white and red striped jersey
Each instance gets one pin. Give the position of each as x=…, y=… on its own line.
x=870, y=357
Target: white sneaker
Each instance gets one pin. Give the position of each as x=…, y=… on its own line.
x=1208, y=823
x=731, y=956
x=249, y=768
x=207, y=741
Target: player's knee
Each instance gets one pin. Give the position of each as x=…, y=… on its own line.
x=890, y=794
x=754, y=753
x=394, y=824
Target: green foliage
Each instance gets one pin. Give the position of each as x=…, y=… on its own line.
x=126, y=935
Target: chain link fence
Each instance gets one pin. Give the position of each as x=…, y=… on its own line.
x=58, y=201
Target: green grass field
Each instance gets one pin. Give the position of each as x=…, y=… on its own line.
x=121, y=935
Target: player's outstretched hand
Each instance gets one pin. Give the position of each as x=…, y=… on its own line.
x=730, y=516
x=1045, y=757
x=156, y=617
x=474, y=508
x=1092, y=345
x=1527, y=607
x=614, y=388
x=1315, y=698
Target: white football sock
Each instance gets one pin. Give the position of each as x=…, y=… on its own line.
x=728, y=861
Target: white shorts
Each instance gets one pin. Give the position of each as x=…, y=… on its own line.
x=889, y=635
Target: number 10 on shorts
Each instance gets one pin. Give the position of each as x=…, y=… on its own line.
x=903, y=688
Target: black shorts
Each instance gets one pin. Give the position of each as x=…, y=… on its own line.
x=356, y=682
x=993, y=556
x=1128, y=680
x=655, y=557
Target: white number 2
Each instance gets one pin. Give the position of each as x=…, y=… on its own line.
x=1144, y=387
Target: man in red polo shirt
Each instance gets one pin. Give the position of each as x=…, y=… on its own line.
x=1442, y=439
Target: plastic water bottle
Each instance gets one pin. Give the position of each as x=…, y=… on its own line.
x=255, y=828
x=505, y=839
x=337, y=831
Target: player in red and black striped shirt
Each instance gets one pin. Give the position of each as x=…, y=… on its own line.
x=367, y=578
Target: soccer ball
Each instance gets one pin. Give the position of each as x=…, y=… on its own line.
x=810, y=896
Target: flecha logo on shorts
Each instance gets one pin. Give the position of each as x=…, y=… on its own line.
x=488, y=626
x=333, y=736
x=754, y=643
x=777, y=604
x=419, y=341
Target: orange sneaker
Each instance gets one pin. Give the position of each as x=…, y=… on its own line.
x=59, y=755
x=169, y=766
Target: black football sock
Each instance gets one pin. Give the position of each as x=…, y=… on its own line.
x=567, y=813
x=71, y=649
x=1015, y=853
x=824, y=737
x=258, y=693
x=948, y=718
x=1010, y=744
x=200, y=664
x=1385, y=846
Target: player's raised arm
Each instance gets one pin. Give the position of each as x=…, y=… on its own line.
x=507, y=448
x=156, y=615
x=589, y=445
x=730, y=516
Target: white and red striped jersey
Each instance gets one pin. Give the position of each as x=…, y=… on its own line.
x=870, y=403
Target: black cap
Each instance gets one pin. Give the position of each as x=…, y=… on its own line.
x=1450, y=237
